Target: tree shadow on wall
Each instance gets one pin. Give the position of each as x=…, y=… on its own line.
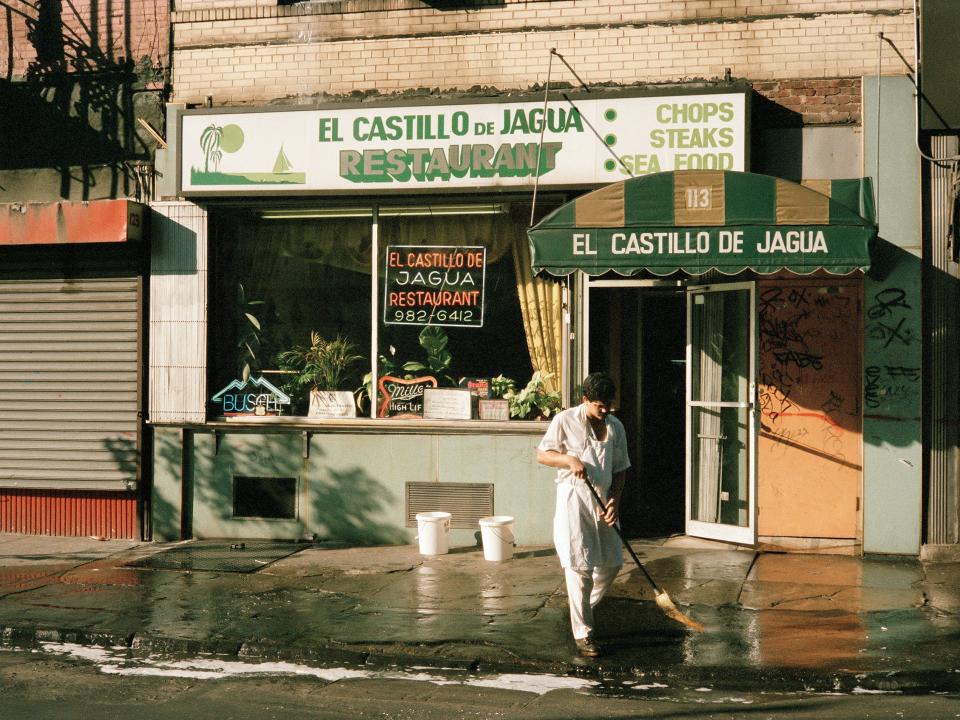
x=167, y=520
x=77, y=102
x=125, y=456
x=347, y=504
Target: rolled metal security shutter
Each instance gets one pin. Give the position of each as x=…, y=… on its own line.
x=941, y=298
x=69, y=403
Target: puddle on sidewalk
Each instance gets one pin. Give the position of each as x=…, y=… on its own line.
x=238, y=557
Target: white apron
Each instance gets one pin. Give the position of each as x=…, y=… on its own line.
x=583, y=540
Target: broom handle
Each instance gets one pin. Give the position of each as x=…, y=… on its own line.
x=633, y=555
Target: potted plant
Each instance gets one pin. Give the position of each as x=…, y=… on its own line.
x=497, y=407
x=533, y=402
x=323, y=367
x=434, y=340
x=249, y=334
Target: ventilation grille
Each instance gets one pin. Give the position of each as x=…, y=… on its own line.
x=466, y=502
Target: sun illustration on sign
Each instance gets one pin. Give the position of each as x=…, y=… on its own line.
x=215, y=140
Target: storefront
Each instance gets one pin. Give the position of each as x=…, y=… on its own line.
x=741, y=372
x=71, y=390
x=730, y=307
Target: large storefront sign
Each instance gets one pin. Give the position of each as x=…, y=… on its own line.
x=484, y=144
x=434, y=285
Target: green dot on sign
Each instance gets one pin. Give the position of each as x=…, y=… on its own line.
x=610, y=140
x=232, y=138
x=610, y=115
x=609, y=166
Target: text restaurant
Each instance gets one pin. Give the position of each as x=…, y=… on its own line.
x=400, y=296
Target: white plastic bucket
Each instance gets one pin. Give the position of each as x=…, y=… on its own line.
x=497, y=534
x=433, y=529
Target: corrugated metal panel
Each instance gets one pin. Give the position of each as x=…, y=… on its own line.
x=178, y=313
x=942, y=302
x=69, y=391
x=466, y=502
x=32, y=512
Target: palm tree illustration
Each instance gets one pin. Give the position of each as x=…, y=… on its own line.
x=210, y=143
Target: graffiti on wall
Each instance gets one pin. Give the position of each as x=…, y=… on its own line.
x=805, y=395
x=809, y=456
x=887, y=379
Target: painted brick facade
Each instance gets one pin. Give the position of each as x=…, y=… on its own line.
x=81, y=36
x=246, y=52
x=75, y=80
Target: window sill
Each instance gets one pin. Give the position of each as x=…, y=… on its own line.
x=381, y=426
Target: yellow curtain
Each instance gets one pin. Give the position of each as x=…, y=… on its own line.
x=541, y=305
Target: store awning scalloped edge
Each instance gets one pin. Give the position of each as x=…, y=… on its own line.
x=60, y=223
x=700, y=221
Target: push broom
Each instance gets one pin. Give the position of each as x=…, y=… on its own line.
x=662, y=599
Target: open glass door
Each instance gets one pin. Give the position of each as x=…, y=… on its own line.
x=721, y=475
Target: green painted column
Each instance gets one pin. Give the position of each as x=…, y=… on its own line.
x=892, y=383
x=166, y=512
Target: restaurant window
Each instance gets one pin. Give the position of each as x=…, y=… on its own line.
x=457, y=308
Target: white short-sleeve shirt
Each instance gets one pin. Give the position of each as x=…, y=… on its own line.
x=583, y=540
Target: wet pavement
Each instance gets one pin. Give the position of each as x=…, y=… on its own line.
x=779, y=621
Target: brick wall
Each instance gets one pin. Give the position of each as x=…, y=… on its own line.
x=75, y=79
x=818, y=102
x=252, y=53
x=81, y=36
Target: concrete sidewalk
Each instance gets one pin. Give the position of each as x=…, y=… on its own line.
x=777, y=621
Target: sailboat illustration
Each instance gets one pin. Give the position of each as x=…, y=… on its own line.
x=282, y=164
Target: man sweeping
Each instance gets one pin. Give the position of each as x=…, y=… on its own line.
x=587, y=443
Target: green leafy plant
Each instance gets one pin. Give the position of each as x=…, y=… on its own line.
x=530, y=403
x=500, y=386
x=249, y=334
x=434, y=340
x=322, y=365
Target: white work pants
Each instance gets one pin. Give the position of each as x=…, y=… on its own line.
x=585, y=588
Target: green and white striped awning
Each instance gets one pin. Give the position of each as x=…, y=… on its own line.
x=695, y=221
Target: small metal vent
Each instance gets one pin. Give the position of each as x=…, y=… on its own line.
x=466, y=502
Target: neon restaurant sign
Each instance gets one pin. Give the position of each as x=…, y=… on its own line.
x=469, y=145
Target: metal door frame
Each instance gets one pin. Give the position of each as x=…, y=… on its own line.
x=718, y=531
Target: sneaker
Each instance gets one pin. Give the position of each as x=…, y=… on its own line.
x=587, y=647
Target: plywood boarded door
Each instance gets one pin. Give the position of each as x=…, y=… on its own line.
x=809, y=453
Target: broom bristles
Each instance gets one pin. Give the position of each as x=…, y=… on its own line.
x=670, y=610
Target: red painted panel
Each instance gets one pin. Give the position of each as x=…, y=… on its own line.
x=68, y=513
x=98, y=221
